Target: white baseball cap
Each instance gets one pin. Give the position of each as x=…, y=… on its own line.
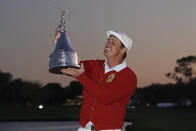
x=127, y=41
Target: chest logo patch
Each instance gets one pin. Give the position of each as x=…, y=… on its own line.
x=110, y=77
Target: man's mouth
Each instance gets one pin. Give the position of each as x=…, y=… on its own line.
x=107, y=49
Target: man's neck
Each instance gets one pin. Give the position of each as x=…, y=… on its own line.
x=113, y=62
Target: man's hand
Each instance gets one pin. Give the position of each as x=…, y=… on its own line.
x=56, y=36
x=74, y=72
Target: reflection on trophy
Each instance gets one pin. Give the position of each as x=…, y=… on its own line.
x=63, y=55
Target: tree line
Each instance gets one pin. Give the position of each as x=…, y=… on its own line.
x=181, y=92
x=18, y=92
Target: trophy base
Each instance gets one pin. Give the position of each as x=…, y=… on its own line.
x=57, y=70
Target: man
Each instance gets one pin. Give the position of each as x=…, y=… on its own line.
x=107, y=86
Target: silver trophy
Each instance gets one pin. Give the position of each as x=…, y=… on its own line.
x=63, y=55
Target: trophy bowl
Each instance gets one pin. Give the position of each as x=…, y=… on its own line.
x=61, y=60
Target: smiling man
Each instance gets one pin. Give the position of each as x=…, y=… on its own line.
x=107, y=86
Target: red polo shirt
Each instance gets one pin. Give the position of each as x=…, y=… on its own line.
x=105, y=96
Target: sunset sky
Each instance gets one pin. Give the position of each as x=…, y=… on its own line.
x=162, y=31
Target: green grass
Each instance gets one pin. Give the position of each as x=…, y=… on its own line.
x=45, y=114
x=153, y=119
x=144, y=119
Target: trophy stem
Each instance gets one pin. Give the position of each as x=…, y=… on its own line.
x=62, y=26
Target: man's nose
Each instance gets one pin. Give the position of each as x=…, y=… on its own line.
x=108, y=43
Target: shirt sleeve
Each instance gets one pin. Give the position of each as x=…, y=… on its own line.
x=118, y=88
x=87, y=64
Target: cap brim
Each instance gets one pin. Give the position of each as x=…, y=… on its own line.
x=109, y=33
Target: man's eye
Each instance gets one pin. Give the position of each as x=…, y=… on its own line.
x=113, y=43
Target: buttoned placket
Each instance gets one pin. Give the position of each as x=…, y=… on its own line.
x=93, y=104
x=92, y=108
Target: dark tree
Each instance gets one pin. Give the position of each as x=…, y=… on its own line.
x=20, y=92
x=76, y=88
x=185, y=70
x=5, y=78
x=51, y=94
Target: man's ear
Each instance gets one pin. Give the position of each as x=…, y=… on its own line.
x=123, y=50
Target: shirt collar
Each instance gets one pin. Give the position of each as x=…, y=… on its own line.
x=116, y=68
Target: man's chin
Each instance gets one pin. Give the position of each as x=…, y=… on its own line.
x=106, y=54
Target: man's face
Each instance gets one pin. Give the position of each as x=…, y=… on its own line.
x=112, y=47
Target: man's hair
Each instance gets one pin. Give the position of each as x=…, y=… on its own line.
x=123, y=46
